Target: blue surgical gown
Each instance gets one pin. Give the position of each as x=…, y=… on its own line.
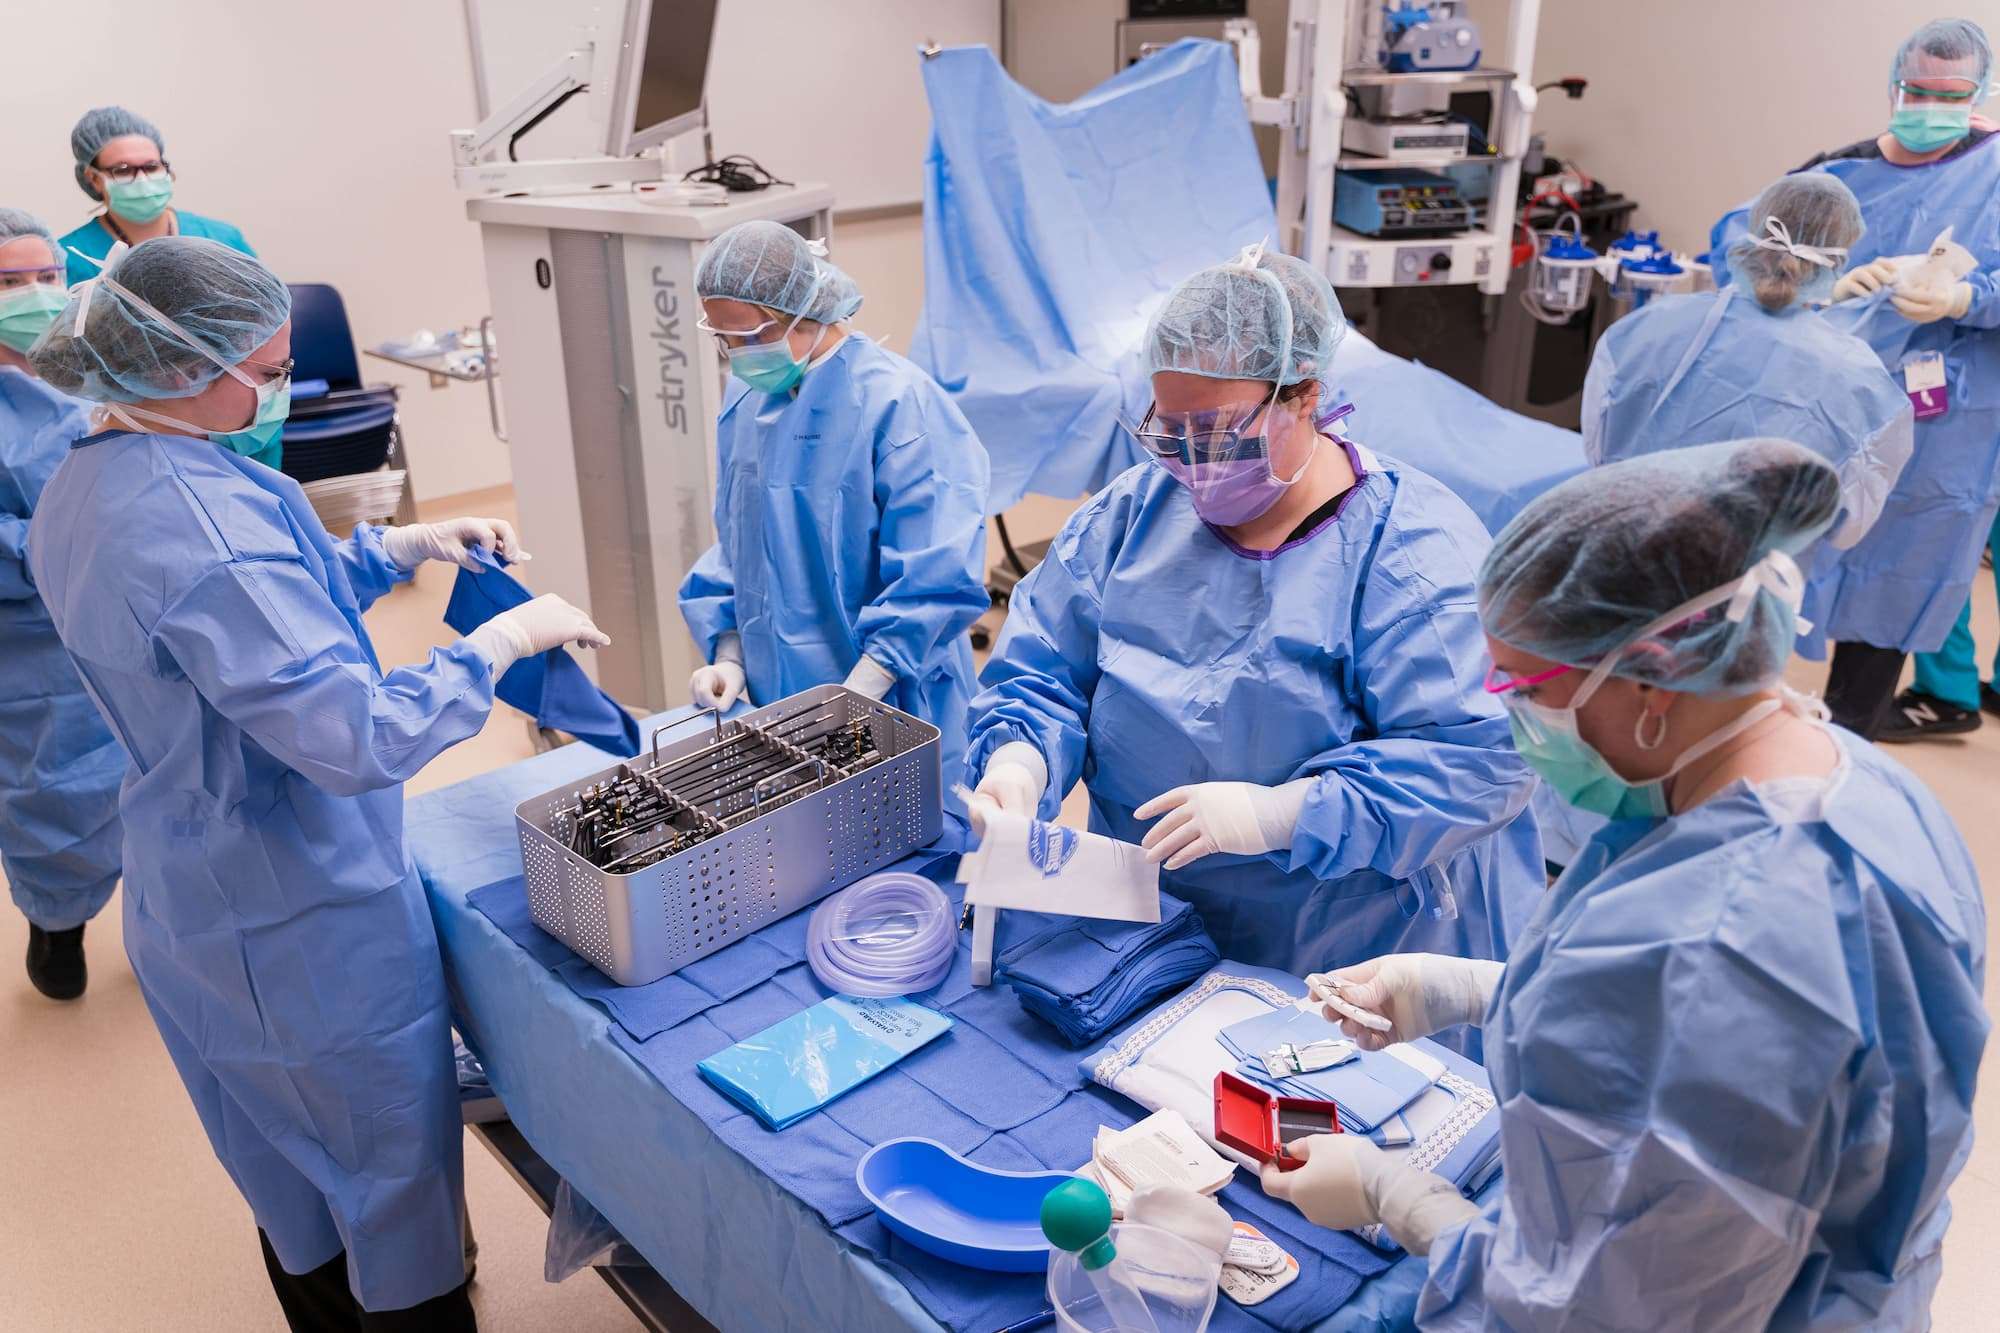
x=1701, y=369
x=849, y=519
x=1147, y=651
x=278, y=932
x=86, y=246
x=59, y=766
x=1904, y=584
x=1735, y=1053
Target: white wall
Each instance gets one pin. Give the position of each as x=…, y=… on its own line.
x=1697, y=105
x=317, y=128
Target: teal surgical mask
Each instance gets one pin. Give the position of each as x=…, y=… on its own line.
x=1924, y=129
x=140, y=199
x=26, y=313
x=274, y=404
x=1553, y=744
x=1549, y=740
x=769, y=367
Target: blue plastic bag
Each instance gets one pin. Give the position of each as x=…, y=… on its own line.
x=794, y=1067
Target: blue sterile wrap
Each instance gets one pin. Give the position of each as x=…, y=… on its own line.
x=550, y=687
x=1369, y=1089
x=1084, y=977
x=797, y=1065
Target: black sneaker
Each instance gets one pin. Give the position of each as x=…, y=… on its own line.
x=1989, y=699
x=1916, y=716
x=55, y=961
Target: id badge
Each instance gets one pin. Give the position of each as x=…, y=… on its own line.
x=1923, y=380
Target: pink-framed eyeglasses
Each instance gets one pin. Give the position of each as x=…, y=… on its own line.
x=1499, y=684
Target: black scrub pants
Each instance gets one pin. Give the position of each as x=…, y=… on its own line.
x=1861, y=685
x=320, y=1302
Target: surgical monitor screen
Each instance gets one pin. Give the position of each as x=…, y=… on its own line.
x=673, y=65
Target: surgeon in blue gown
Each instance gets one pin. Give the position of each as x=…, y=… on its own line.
x=1900, y=589
x=850, y=513
x=1736, y=1047
x=59, y=766
x=1260, y=653
x=276, y=928
x=1754, y=359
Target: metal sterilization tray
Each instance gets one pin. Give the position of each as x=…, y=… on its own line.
x=651, y=864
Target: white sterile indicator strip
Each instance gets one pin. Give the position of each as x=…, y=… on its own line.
x=1327, y=990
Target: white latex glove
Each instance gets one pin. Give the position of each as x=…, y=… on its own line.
x=718, y=686
x=870, y=677
x=1927, y=305
x=453, y=540
x=1869, y=277
x=1348, y=1182
x=1419, y=993
x=534, y=627
x=1209, y=817
x=1013, y=782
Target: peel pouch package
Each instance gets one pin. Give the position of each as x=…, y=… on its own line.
x=1025, y=864
x=794, y=1067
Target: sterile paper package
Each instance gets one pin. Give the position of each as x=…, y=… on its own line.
x=1027, y=864
x=1170, y=1057
x=794, y=1067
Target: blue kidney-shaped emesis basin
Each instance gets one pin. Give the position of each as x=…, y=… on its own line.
x=969, y=1214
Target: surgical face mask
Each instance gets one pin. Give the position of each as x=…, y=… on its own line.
x=771, y=367
x=26, y=313
x=1550, y=740
x=1924, y=129
x=1227, y=472
x=274, y=404
x=141, y=199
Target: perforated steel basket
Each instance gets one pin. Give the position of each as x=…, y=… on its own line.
x=774, y=848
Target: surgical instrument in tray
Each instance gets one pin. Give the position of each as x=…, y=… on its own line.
x=665, y=858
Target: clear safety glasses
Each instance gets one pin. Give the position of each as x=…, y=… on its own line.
x=1945, y=92
x=729, y=340
x=11, y=278
x=1214, y=435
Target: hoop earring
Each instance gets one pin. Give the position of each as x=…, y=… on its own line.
x=1659, y=734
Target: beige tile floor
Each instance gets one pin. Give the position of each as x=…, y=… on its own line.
x=117, y=1215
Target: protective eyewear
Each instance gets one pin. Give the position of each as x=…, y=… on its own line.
x=282, y=374
x=728, y=340
x=127, y=172
x=1497, y=683
x=1957, y=92
x=54, y=276
x=1212, y=435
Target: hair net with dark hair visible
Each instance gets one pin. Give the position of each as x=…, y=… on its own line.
x=1793, y=219
x=1945, y=49
x=1588, y=565
x=221, y=298
x=1276, y=320
x=769, y=264
x=98, y=127
x=18, y=222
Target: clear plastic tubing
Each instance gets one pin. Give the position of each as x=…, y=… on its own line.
x=890, y=934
